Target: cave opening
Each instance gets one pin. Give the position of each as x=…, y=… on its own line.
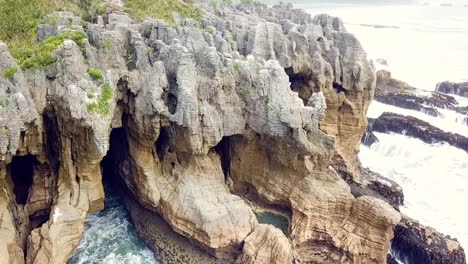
x=172, y=102
x=163, y=143
x=52, y=139
x=339, y=88
x=224, y=151
x=301, y=84
x=110, y=162
x=111, y=232
x=21, y=172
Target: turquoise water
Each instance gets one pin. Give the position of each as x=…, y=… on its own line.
x=111, y=238
x=276, y=220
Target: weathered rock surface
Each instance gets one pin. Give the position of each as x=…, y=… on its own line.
x=374, y=184
x=413, y=127
x=12, y=225
x=460, y=89
x=263, y=103
x=266, y=244
x=415, y=243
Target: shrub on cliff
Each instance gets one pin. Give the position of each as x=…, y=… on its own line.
x=19, y=21
x=102, y=105
x=10, y=72
x=95, y=74
x=39, y=55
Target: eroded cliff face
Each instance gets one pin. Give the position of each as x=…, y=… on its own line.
x=249, y=105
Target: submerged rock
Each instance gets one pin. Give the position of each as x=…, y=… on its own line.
x=413, y=127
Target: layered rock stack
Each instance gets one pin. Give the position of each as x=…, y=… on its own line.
x=251, y=101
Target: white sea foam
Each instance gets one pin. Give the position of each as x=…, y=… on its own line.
x=451, y=121
x=462, y=101
x=434, y=180
x=110, y=237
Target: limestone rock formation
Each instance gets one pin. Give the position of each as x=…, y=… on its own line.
x=250, y=103
x=266, y=244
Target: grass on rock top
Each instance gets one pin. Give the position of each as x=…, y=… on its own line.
x=20, y=19
x=10, y=72
x=95, y=74
x=39, y=55
x=18, y=28
x=162, y=9
x=102, y=106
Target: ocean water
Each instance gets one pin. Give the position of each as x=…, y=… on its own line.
x=423, y=45
x=451, y=121
x=110, y=237
x=434, y=180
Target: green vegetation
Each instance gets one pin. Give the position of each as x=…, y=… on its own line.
x=19, y=21
x=242, y=90
x=101, y=10
x=103, y=45
x=10, y=72
x=107, y=44
x=266, y=108
x=214, y=3
x=4, y=102
x=39, y=55
x=102, y=106
x=162, y=9
x=95, y=74
x=6, y=131
x=236, y=67
x=209, y=30
x=250, y=2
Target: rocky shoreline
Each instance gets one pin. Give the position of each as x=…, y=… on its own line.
x=413, y=127
x=247, y=103
x=423, y=244
x=397, y=93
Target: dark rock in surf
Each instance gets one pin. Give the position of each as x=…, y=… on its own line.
x=375, y=185
x=460, y=89
x=397, y=93
x=408, y=101
x=415, y=243
x=413, y=127
x=369, y=137
x=391, y=259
